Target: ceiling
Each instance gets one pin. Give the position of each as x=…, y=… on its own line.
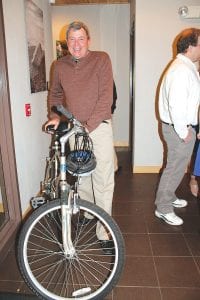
x=66, y=2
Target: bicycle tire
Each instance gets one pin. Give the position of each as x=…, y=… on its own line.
x=90, y=274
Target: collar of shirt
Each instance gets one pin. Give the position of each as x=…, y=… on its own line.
x=187, y=61
x=82, y=59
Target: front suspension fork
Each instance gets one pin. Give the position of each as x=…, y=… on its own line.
x=66, y=215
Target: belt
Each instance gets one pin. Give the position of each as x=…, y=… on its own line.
x=189, y=125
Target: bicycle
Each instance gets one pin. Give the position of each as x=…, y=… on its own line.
x=60, y=256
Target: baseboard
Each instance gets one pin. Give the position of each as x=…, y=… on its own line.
x=146, y=169
x=121, y=144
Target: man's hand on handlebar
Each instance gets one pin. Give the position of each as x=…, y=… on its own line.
x=54, y=122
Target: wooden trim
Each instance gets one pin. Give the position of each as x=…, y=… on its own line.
x=27, y=212
x=149, y=169
x=78, y=2
x=146, y=169
x=8, y=168
x=121, y=144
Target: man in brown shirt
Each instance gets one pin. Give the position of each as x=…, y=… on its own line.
x=83, y=82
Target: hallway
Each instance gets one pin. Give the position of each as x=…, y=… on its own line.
x=162, y=261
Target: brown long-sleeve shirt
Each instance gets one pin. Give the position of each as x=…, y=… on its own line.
x=84, y=87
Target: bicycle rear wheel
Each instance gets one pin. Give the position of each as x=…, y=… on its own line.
x=89, y=274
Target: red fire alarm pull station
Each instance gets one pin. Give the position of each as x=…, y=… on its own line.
x=28, y=109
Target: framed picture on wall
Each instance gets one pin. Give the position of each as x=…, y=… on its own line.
x=35, y=43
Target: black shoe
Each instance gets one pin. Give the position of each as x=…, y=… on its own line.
x=118, y=171
x=83, y=221
x=107, y=247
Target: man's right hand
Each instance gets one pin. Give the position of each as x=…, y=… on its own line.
x=189, y=135
x=55, y=122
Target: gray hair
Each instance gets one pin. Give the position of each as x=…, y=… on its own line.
x=77, y=25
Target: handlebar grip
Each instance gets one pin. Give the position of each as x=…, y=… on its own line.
x=64, y=111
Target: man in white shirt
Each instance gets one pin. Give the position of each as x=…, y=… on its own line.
x=179, y=100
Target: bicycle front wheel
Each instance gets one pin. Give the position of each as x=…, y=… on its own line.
x=89, y=274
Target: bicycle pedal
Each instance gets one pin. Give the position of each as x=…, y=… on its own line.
x=37, y=201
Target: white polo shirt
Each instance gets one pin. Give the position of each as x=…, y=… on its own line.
x=179, y=96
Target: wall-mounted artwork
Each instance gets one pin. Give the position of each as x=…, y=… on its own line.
x=35, y=42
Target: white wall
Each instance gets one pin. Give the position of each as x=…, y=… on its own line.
x=157, y=24
x=31, y=144
x=109, y=29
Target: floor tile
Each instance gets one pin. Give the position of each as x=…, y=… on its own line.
x=139, y=271
x=193, y=241
x=9, y=268
x=137, y=244
x=197, y=261
x=128, y=224
x=177, y=272
x=10, y=286
x=125, y=208
x=180, y=294
x=169, y=245
x=135, y=293
x=191, y=224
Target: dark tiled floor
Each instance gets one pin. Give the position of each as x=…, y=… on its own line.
x=162, y=261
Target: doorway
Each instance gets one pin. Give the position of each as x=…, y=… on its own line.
x=10, y=216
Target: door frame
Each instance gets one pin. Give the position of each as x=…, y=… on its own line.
x=13, y=209
x=132, y=91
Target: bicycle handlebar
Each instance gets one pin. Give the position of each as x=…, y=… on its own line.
x=60, y=109
x=65, y=112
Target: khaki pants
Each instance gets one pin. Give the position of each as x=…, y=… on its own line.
x=98, y=188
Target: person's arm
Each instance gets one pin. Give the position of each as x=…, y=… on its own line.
x=55, y=97
x=105, y=94
x=56, y=94
x=189, y=136
x=113, y=107
x=177, y=89
x=198, y=134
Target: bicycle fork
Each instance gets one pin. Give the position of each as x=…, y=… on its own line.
x=66, y=211
x=66, y=206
